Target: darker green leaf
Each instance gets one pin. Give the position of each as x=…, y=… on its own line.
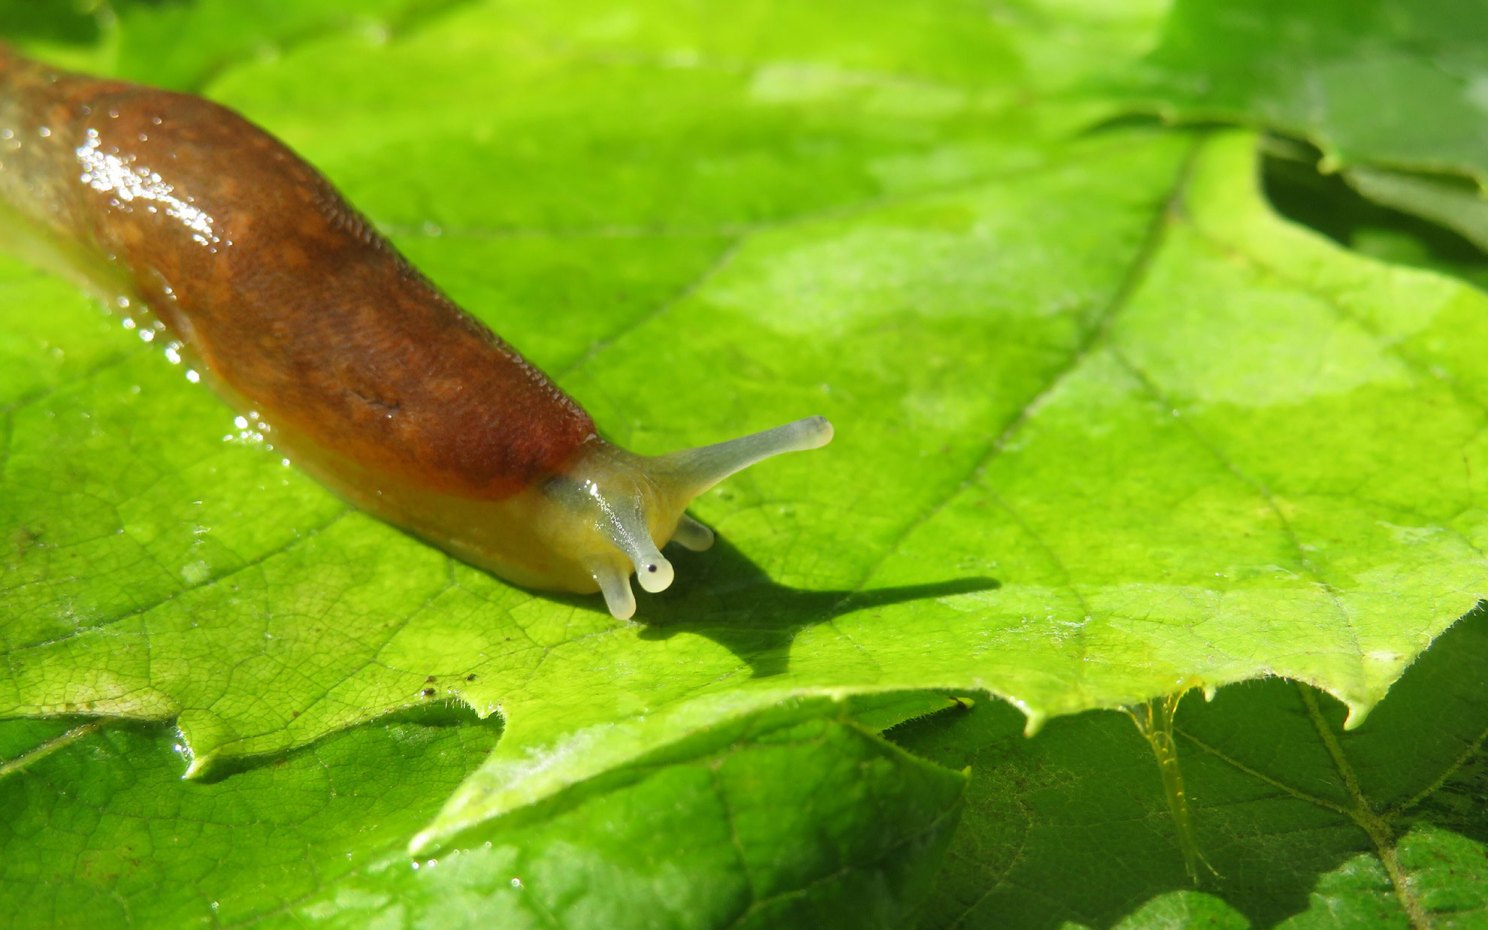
x=1297, y=821
x=795, y=817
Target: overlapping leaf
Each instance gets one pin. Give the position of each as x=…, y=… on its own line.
x=1299, y=825
x=1397, y=83
x=1392, y=93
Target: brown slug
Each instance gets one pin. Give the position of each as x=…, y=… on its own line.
x=370, y=378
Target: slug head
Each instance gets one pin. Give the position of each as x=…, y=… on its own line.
x=613, y=511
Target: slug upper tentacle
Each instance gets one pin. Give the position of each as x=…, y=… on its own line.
x=373, y=381
x=616, y=502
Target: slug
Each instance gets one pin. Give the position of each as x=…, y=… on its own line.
x=212, y=232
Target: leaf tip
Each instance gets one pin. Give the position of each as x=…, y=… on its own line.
x=1357, y=711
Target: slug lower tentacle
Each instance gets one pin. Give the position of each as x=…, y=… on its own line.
x=245, y=257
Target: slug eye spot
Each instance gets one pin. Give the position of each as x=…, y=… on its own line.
x=654, y=575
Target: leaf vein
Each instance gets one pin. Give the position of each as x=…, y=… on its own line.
x=1095, y=333
x=299, y=539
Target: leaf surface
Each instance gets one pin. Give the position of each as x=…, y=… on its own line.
x=1108, y=428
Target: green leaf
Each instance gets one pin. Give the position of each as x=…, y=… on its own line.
x=1415, y=220
x=1184, y=910
x=755, y=825
x=1397, y=83
x=1300, y=824
x=209, y=37
x=1108, y=428
x=1392, y=92
x=101, y=831
x=1456, y=206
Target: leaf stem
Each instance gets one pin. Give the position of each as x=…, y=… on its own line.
x=1154, y=720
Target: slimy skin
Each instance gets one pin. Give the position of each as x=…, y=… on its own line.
x=216, y=235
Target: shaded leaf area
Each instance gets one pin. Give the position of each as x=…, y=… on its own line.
x=794, y=817
x=1334, y=205
x=1458, y=206
x=1302, y=825
x=1392, y=93
x=124, y=38
x=43, y=25
x=100, y=830
x=1396, y=83
x=210, y=37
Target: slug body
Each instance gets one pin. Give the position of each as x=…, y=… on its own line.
x=215, y=235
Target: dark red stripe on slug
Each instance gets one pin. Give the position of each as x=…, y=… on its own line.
x=286, y=295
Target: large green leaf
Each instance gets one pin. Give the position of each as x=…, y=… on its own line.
x=1298, y=822
x=221, y=587
x=1108, y=427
